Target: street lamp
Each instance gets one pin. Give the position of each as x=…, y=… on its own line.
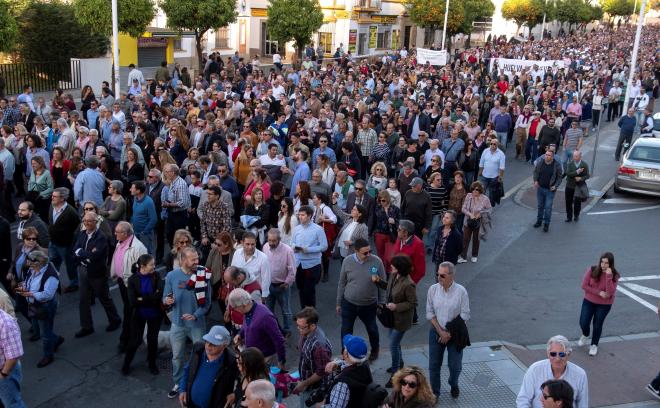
x=444, y=29
x=633, y=63
x=115, y=46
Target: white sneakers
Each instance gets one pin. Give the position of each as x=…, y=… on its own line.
x=583, y=341
x=593, y=350
x=461, y=260
x=474, y=259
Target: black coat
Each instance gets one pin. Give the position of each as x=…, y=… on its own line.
x=93, y=253
x=63, y=231
x=36, y=222
x=453, y=246
x=369, y=205
x=459, y=333
x=224, y=381
x=136, y=299
x=155, y=196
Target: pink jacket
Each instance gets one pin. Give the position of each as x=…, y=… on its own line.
x=593, y=287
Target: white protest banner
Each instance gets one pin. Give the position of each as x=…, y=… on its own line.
x=515, y=66
x=433, y=57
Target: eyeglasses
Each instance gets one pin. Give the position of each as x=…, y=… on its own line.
x=561, y=354
x=323, y=141
x=434, y=160
x=411, y=384
x=30, y=238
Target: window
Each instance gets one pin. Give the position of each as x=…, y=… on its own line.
x=177, y=44
x=383, y=40
x=396, y=38
x=222, y=37
x=325, y=41
x=268, y=45
x=429, y=37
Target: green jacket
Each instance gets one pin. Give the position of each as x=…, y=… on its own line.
x=571, y=172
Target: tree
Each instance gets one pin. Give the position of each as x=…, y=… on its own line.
x=199, y=16
x=621, y=8
x=43, y=39
x=475, y=10
x=8, y=28
x=285, y=22
x=134, y=15
x=431, y=14
x=523, y=12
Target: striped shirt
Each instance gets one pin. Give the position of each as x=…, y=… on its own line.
x=367, y=139
x=573, y=136
x=439, y=199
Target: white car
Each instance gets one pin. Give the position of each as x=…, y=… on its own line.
x=639, y=171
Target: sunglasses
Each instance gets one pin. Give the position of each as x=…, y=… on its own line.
x=184, y=241
x=411, y=384
x=89, y=208
x=365, y=253
x=561, y=354
x=359, y=189
x=442, y=275
x=30, y=239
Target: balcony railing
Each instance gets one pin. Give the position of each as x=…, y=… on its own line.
x=367, y=5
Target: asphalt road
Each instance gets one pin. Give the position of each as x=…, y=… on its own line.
x=524, y=289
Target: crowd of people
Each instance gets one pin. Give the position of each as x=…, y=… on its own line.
x=242, y=183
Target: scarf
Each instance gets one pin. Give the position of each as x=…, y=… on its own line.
x=199, y=281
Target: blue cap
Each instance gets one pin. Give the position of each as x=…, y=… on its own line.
x=218, y=336
x=355, y=346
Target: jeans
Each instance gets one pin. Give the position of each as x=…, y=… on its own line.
x=148, y=240
x=502, y=138
x=306, y=280
x=280, y=295
x=566, y=156
x=395, y=349
x=303, y=397
x=531, y=149
x=10, y=388
x=429, y=239
x=48, y=337
x=488, y=184
x=349, y=312
x=59, y=254
x=178, y=336
x=544, y=199
x=436, y=355
x=596, y=313
x=639, y=117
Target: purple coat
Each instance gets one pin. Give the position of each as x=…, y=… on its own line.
x=261, y=330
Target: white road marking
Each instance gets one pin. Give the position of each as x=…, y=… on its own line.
x=627, y=201
x=637, y=298
x=653, y=207
x=643, y=290
x=636, y=278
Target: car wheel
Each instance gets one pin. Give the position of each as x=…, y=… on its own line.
x=618, y=190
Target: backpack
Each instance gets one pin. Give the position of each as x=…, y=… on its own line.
x=374, y=396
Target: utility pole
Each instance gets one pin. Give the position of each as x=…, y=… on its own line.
x=115, y=47
x=633, y=62
x=444, y=29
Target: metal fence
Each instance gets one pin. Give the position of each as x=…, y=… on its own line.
x=42, y=76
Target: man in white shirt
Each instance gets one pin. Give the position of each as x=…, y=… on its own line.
x=640, y=104
x=135, y=74
x=446, y=301
x=556, y=366
x=434, y=150
x=491, y=168
x=255, y=262
x=272, y=158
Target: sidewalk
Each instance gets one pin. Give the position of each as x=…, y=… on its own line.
x=493, y=371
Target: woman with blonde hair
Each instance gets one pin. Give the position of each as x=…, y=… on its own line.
x=181, y=144
x=377, y=181
x=182, y=239
x=242, y=165
x=411, y=389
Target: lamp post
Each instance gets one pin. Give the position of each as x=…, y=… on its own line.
x=115, y=46
x=633, y=62
x=444, y=29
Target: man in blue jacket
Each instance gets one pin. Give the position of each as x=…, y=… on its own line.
x=144, y=216
x=627, y=125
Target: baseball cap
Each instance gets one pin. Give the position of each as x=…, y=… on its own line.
x=417, y=181
x=355, y=346
x=217, y=336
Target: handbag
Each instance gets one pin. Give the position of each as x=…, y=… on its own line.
x=37, y=310
x=581, y=191
x=385, y=315
x=473, y=223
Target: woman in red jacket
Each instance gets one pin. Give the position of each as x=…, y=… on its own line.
x=599, y=285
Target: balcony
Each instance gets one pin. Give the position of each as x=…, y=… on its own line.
x=366, y=5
